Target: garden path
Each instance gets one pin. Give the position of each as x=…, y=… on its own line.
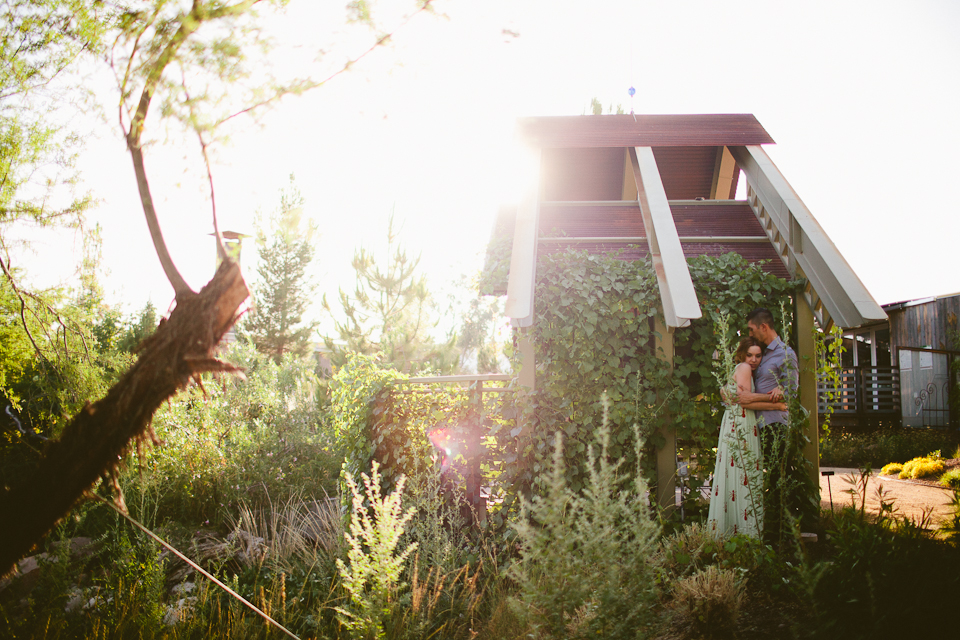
x=909, y=498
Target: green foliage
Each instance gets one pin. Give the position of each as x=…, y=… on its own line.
x=694, y=548
x=883, y=577
x=594, y=333
x=360, y=391
x=496, y=267
x=39, y=40
x=478, y=337
x=877, y=448
x=373, y=574
x=596, y=108
x=390, y=313
x=792, y=498
x=284, y=290
x=50, y=359
x=254, y=442
x=138, y=328
x=828, y=350
x=951, y=479
x=583, y=569
x=707, y=604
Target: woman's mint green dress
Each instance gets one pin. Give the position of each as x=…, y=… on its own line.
x=735, y=501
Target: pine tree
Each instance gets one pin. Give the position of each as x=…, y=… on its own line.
x=390, y=313
x=283, y=292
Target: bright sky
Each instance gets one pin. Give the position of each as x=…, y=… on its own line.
x=860, y=97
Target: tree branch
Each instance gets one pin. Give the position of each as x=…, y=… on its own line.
x=97, y=438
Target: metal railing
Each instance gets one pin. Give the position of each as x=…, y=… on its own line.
x=476, y=427
x=862, y=391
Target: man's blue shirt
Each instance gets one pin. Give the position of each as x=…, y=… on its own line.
x=777, y=369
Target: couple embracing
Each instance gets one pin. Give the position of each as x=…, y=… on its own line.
x=741, y=490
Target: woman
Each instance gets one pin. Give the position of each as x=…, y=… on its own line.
x=735, y=502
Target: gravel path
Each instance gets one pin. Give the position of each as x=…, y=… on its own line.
x=909, y=498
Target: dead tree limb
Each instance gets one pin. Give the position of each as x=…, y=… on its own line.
x=95, y=441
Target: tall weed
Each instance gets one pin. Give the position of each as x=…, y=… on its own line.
x=372, y=577
x=583, y=570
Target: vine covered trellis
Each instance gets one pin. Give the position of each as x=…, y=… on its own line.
x=593, y=336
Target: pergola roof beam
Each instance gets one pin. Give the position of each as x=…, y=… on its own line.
x=835, y=292
x=680, y=304
x=643, y=239
x=523, y=258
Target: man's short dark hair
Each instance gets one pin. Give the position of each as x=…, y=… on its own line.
x=761, y=316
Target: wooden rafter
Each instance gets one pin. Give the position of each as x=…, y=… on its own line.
x=834, y=292
x=523, y=258
x=680, y=304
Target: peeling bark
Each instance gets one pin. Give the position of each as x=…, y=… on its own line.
x=95, y=441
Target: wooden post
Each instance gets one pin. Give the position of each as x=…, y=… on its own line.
x=475, y=502
x=807, y=362
x=528, y=367
x=667, y=454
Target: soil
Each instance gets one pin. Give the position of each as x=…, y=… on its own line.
x=910, y=498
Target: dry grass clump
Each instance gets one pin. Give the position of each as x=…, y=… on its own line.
x=707, y=605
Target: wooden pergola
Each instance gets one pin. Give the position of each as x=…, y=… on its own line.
x=664, y=185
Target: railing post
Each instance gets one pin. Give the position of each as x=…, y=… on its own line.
x=475, y=501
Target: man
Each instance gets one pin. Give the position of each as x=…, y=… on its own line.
x=777, y=372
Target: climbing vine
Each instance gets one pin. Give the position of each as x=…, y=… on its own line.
x=379, y=417
x=595, y=333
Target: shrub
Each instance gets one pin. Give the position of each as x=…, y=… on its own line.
x=951, y=479
x=846, y=449
x=372, y=577
x=923, y=467
x=707, y=604
x=883, y=578
x=694, y=548
x=254, y=442
x=583, y=570
x=893, y=468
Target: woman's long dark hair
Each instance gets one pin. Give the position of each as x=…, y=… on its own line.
x=740, y=355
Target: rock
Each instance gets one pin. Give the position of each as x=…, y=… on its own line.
x=179, y=611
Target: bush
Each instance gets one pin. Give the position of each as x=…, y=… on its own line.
x=252, y=442
x=373, y=575
x=707, y=605
x=883, y=578
x=854, y=450
x=951, y=479
x=923, y=467
x=583, y=570
x=894, y=468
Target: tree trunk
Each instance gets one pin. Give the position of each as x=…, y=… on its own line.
x=95, y=441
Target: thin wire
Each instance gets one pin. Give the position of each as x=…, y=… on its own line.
x=197, y=567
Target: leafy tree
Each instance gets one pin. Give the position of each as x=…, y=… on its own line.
x=39, y=40
x=391, y=313
x=189, y=59
x=596, y=108
x=284, y=291
x=43, y=336
x=478, y=336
